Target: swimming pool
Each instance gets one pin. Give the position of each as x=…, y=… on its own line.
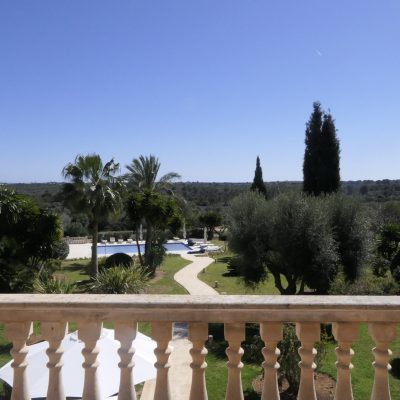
x=106, y=250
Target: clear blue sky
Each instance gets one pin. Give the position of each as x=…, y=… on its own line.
x=206, y=85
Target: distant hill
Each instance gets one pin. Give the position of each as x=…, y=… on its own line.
x=220, y=194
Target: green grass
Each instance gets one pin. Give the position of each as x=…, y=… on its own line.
x=218, y=272
x=74, y=270
x=363, y=372
x=164, y=282
x=217, y=377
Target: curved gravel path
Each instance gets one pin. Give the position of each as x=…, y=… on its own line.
x=180, y=373
x=187, y=276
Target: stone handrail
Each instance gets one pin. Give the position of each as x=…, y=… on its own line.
x=345, y=313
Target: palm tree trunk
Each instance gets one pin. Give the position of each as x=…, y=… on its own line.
x=138, y=246
x=95, y=263
x=148, y=259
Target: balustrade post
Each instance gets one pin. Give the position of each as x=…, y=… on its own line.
x=383, y=334
x=18, y=333
x=234, y=335
x=345, y=333
x=54, y=333
x=308, y=333
x=162, y=334
x=198, y=334
x=125, y=333
x=271, y=333
x=89, y=333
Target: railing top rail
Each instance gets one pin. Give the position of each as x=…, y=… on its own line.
x=199, y=308
x=192, y=301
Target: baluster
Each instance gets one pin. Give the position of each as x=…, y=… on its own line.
x=271, y=333
x=198, y=334
x=125, y=333
x=308, y=333
x=162, y=334
x=234, y=335
x=383, y=334
x=89, y=333
x=18, y=333
x=345, y=333
x=54, y=333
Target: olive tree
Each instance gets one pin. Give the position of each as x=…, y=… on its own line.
x=287, y=237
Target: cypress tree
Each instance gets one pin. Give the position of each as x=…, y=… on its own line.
x=321, y=157
x=330, y=168
x=258, y=182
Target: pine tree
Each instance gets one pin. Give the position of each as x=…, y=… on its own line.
x=258, y=183
x=321, y=157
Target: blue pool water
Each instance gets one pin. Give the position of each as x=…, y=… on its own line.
x=106, y=250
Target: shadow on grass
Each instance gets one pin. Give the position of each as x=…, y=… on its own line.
x=224, y=259
x=77, y=268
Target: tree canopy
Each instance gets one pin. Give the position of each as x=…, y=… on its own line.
x=321, y=169
x=94, y=190
x=28, y=236
x=160, y=212
x=258, y=182
x=143, y=174
x=300, y=240
x=210, y=220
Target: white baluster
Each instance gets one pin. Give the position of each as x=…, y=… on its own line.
x=54, y=333
x=198, y=334
x=308, y=333
x=345, y=333
x=18, y=333
x=125, y=333
x=383, y=334
x=234, y=335
x=271, y=333
x=89, y=333
x=162, y=334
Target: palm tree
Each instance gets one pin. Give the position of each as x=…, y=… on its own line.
x=143, y=173
x=142, y=176
x=94, y=190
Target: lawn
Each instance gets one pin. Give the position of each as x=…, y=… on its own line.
x=363, y=372
x=217, y=377
x=164, y=282
x=216, y=275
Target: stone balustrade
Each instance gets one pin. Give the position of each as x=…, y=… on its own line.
x=382, y=314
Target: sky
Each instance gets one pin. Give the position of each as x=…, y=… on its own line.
x=205, y=85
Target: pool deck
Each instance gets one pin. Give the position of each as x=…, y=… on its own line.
x=85, y=250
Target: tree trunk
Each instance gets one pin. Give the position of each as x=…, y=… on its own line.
x=95, y=263
x=291, y=287
x=148, y=259
x=138, y=246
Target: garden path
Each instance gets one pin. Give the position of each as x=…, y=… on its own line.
x=180, y=373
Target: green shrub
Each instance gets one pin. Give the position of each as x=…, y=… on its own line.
x=366, y=284
x=75, y=229
x=120, y=280
x=51, y=285
x=61, y=250
x=118, y=260
x=289, y=358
